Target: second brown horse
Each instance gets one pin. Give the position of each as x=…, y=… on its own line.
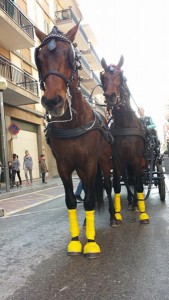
x=129, y=144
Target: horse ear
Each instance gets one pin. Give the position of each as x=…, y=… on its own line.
x=72, y=32
x=40, y=35
x=104, y=64
x=121, y=61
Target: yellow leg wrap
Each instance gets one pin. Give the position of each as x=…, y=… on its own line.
x=90, y=228
x=90, y=248
x=74, y=247
x=141, y=206
x=74, y=227
x=117, y=207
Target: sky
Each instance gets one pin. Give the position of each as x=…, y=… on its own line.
x=138, y=30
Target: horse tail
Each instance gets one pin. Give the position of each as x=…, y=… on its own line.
x=98, y=190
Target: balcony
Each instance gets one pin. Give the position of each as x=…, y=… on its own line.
x=22, y=88
x=65, y=20
x=92, y=57
x=16, y=31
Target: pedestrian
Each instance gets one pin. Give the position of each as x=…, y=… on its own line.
x=78, y=192
x=43, y=167
x=16, y=169
x=10, y=173
x=28, y=166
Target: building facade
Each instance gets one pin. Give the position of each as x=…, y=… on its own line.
x=22, y=106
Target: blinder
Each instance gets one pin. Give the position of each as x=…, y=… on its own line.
x=72, y=56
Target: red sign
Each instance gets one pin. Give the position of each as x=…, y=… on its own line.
x=14, y=129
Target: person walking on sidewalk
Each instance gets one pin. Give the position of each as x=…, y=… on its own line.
x=28, y=166
x=43, y=167
x=18, y=172
x=16, y=169
x=10, y=172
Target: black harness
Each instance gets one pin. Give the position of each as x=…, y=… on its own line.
x=97, y=124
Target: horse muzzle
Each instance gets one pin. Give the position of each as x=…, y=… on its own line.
x=111, y=99
x=56, y=106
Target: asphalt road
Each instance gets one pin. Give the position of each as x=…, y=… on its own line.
x=34, y=264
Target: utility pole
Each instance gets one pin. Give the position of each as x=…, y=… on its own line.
x=3, y=87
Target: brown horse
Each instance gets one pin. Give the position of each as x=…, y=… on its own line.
x=129, y=143
x=77, y=135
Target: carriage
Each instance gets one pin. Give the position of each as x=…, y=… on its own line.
x=153, y=175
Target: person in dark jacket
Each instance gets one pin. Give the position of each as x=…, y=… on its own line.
x=15, y=169
x=43, y=168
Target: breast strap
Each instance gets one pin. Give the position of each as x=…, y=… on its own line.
x=127, y=132
x=97, y=124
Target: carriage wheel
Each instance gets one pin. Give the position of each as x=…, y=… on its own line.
x=161, y=183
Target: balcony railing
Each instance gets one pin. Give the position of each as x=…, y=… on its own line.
x=17, y=76
x=67, y=14
x=17, y=16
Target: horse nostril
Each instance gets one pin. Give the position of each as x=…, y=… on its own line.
x=51, y=103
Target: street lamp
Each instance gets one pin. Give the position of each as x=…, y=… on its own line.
x=3, y=87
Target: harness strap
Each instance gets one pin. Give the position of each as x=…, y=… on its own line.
x=54, y=72
x=97, y=124
x=127, y=132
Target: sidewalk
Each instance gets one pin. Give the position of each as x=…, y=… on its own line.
x=36, y=185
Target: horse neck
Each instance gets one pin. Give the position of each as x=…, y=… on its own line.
x=124, y=116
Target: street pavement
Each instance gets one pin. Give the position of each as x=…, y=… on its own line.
x=22, y=198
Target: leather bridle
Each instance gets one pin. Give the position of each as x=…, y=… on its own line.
x=51, y=40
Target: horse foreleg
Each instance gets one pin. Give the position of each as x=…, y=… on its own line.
x=108, y=188
x=117, y=199
x=91, y=249
x=74, y=246
x=144, y=218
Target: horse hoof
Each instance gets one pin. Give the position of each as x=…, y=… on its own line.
x=145, y=221
x=74, y=248
x=91, y=250
x=92, y=255
x=115, y=223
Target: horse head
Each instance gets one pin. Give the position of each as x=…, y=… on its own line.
x=113, y=83
x=57, y=64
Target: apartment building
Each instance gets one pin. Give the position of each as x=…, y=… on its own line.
x=24, y=114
